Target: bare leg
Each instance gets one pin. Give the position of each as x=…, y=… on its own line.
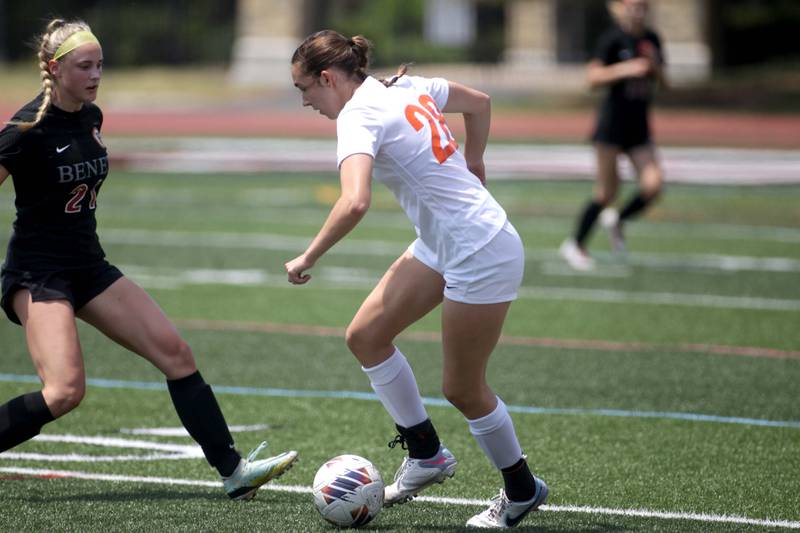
x=469, y=334
x=55, y=351
x=126, y=314
x=605, y=191
x=651, y=179
x=408, y=291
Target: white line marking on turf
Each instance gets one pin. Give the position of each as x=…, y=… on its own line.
x=659, y=298
x=561, y=269
x=666, y=515
x=176, y=451
x=300, y=489
x=348, y=278
x=181, y=431
x=384, y=248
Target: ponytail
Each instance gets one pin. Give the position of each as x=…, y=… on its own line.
x=400, y=73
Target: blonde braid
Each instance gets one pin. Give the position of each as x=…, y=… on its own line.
x=56, y=33
x=47, y=84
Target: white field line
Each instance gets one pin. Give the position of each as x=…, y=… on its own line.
x=289, y=204
x=346, y=278
x=659, y=298
x=181, y=431
x=174, y=451
x=730, y=232
x=380, y=248
x=300, y=489
x=259, y=241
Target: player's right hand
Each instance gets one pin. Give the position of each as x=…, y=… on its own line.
x=295, y=270
x=638, y=67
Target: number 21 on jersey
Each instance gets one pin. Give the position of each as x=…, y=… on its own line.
x=435, y=119
x=78, y=193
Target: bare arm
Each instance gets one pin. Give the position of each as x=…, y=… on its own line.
x=599, y=74
x=356, y=181
x=477, y=110
x=3, y=174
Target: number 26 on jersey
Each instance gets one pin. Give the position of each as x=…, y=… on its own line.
x=429, y=112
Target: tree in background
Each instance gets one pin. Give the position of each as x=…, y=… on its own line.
x=141, y=32
x=171, y=32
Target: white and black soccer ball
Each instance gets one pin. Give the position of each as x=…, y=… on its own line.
x=348, y=491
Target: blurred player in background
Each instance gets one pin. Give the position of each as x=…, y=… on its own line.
x=467, y=257
x=629, y=61
x=55, y=269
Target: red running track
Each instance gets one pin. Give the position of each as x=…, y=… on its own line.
x=670, y=127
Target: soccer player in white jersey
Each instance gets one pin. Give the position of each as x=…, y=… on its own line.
x=467, y=257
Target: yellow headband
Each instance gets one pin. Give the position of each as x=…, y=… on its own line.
x=79, y=38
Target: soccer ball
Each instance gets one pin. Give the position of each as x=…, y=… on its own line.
x=348, y=491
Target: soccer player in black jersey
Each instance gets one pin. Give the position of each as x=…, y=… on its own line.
x=629, y=61
x=55, y=269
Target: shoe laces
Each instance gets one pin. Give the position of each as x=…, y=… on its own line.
x=398, y=439
x=252, y=455
x=499, y=505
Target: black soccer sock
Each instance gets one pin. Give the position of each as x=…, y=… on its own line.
x=519, y=483
x=422, y=440
x=22, y=418
x=201, y=416
x=587, y=220
x=634, y=206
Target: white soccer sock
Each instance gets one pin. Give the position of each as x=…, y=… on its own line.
x=496, y=437
x=394, y=383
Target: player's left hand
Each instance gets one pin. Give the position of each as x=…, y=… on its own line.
x=296, y=268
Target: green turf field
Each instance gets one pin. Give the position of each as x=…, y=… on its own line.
x=658, y=393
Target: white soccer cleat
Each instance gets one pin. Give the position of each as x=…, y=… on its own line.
x=503, y=513
x=575, y=256
x=609, y=219
x=252, y=473
x=415, y=475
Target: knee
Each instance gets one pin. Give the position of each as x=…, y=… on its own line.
x=651, y=190
x=363, y=343
x=177, y=354
x=354, y=339
x=64, y=396
x=464, y=398
x=650, y=183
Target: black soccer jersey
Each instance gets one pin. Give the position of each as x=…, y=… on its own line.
x=57, y=168
x=616, y=45
x=622, y=119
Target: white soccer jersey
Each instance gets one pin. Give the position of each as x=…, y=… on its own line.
x=415, y=156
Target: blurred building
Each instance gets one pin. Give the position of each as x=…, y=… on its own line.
x=545, y=43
